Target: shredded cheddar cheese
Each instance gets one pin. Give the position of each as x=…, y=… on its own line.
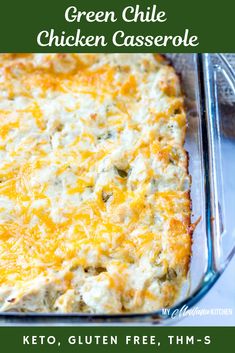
x=94, y=188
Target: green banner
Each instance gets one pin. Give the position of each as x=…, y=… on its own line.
x=117, y=26
x=116, y=339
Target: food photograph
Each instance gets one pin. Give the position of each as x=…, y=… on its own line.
x=117, y=189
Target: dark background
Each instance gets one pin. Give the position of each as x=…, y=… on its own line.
x=211, y=21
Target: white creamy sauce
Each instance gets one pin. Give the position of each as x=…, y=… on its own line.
x=83, y=162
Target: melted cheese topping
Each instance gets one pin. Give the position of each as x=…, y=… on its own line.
x=94, y=189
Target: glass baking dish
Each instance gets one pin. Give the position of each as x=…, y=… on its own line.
x=206, y=80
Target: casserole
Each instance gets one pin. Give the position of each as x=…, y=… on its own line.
x=94, y=188
x=207, y=261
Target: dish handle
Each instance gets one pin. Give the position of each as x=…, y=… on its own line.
x=220, y=92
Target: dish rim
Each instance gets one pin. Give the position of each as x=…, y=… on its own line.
x=158, y=316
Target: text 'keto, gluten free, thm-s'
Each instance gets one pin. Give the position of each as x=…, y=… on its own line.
x=130, y=14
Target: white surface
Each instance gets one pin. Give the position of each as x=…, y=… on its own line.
x=222, y=295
